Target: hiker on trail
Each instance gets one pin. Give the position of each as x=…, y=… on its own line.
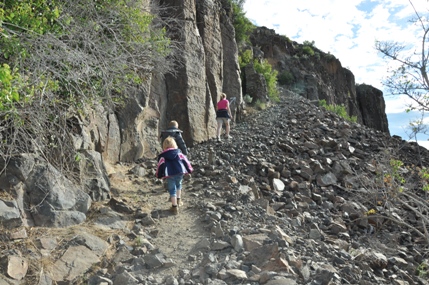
x=172, y=166
x=223, y=115
x=173, y=131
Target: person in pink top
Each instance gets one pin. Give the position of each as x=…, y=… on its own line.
x=223, y=115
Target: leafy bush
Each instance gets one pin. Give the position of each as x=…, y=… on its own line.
x=242, y=25
x=82, y=48
x=245, y=58
x=8, y=89
x=270, y=76
x=247, y=99
x=339, y=110
x=286, y=78
x=59, y=57
x=308, y=43
x=260, y=105
x=33, y=17
x=308, y=50
x=286, y=38
x=423, y=269
x=263, y=68
x=424, y=175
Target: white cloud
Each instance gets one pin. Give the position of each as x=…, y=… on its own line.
x=424, y=144
x=346, y=29
x=396, y=104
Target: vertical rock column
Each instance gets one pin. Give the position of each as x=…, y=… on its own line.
x=188, y=101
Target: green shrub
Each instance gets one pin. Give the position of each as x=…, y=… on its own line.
x=245, y=58
x=423, y=270
x=317, y=55
x=286, y=78
x=37, y=16
x=308, y=50
x=340, y=110
x=13, y=89
x=242, y=25
x=263, y=68
x=64, y=56
x=247, y=99
x=260, y=105
x=424, y=175
x=286, y=38
x=34, y=17
x=270, y=76
x=308, y=43
x=8, y=90
x=42, y=25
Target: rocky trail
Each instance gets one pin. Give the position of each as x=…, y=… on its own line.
x=172, y=235
x=286, y=201
x=254, y=203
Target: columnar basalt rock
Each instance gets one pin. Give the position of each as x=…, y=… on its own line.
x=319, y=76
x=373, y=108
x=207, y=64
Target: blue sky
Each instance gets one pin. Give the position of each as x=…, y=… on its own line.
x=348, y=29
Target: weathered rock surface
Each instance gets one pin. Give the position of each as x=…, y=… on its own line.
x=40, y=195
x=372, y=106
x=293, y=198
x=207, y=64
x=321, y=76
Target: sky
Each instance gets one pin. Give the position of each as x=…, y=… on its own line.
x=348, y=29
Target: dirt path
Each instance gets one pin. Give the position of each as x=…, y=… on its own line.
x=175, y=236
x=178, y=234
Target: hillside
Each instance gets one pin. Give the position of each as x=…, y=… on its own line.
x=113, y=95
x=295, y=198
x=298, y=196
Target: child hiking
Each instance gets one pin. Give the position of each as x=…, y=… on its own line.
x=173, y=131
x=172, y=166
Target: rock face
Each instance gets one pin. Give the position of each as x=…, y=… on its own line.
x=207, y=64
x=320, y=76
x=373, y=108
x=188, y=91
x=40, y=195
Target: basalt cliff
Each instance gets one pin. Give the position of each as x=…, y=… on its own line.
x=298, y=196
x=208, y=65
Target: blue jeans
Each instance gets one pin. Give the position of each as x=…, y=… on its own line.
x=174, y=184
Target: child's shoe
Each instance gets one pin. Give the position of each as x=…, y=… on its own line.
x=174, y=210
x=228, y=137
x=219, y=139
x=179, y=202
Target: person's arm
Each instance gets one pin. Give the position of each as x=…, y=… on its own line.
x=187, y=164
x=181, y=143
x=229, y=110
x=160, y=168
x=162, y=137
